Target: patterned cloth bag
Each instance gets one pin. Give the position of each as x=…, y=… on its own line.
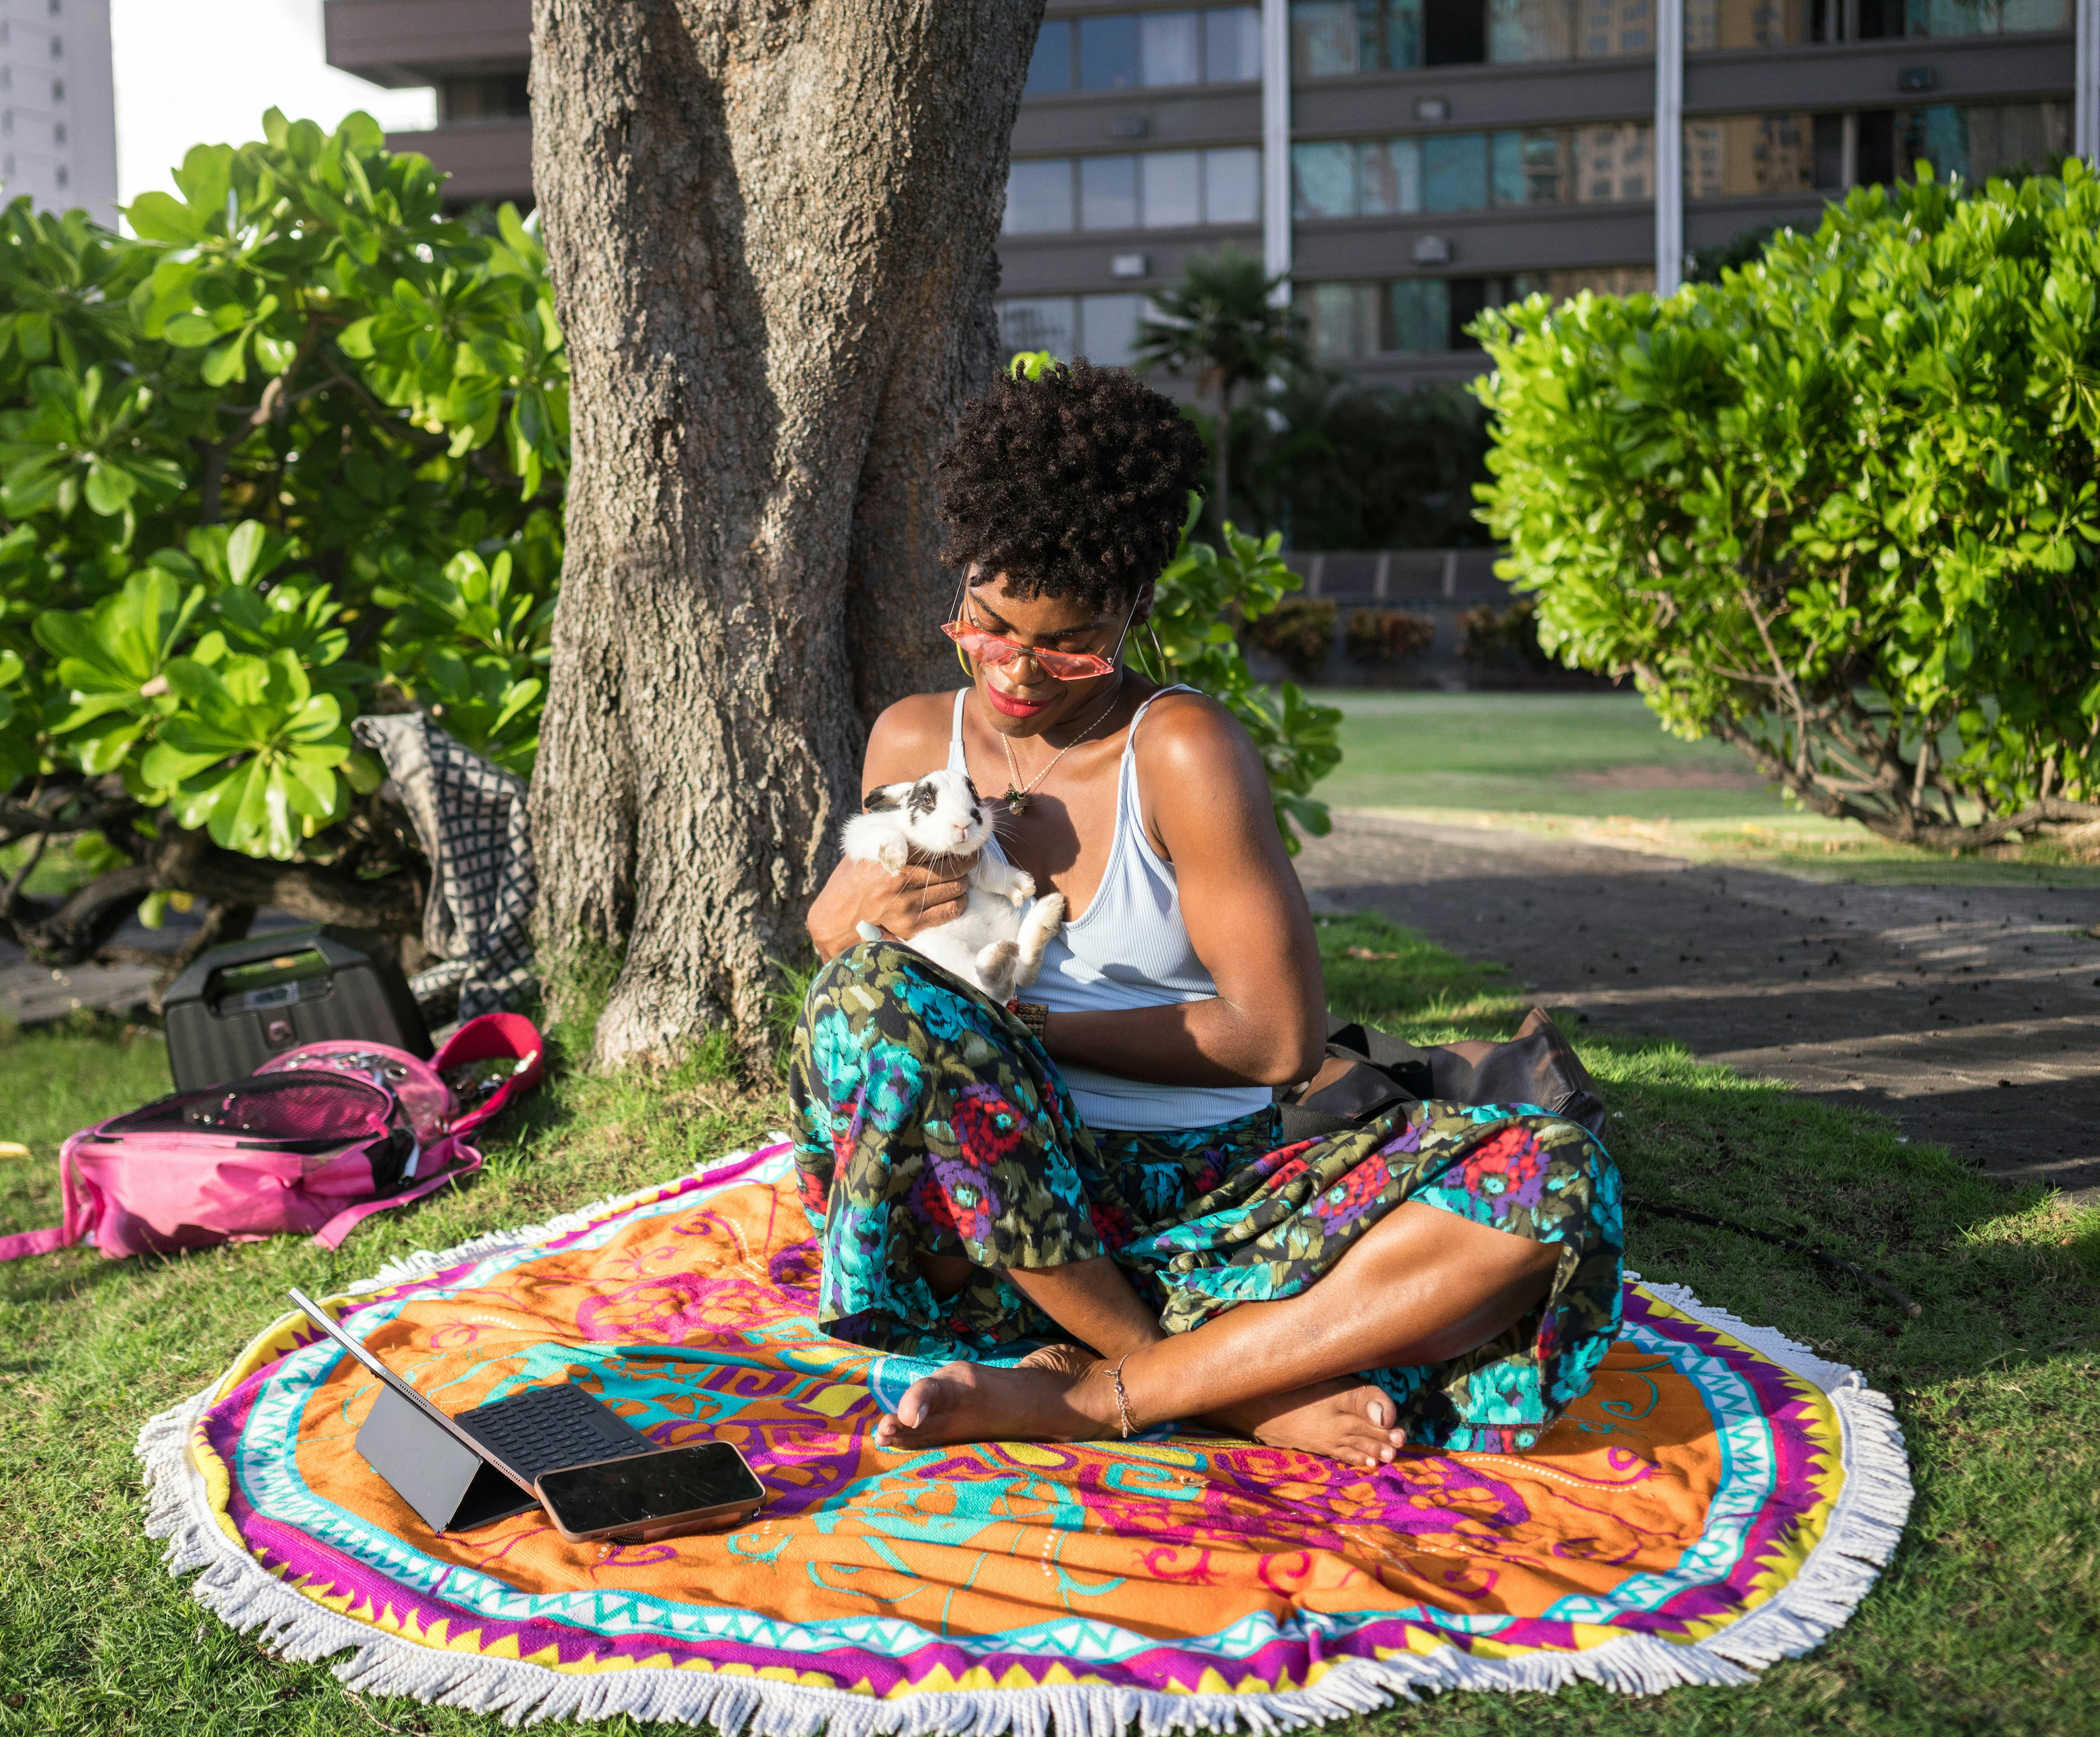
x=313, y=1142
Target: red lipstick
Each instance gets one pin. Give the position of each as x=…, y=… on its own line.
x=1013, y=705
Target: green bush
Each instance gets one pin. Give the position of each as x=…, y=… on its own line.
x=1386, y=636
x=294, y=453
x=1488, y=635
x=1351, y=466
x=1300, y=633
x=1841, y=508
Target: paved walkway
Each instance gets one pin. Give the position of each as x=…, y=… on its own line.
x=1971, y=1015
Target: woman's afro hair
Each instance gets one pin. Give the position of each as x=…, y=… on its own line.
x=1073, y=485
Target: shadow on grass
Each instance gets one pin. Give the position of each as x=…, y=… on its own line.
x=1991, y=1265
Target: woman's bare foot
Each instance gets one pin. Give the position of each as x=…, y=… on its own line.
x=1350, y=1420
x=1060, y=1393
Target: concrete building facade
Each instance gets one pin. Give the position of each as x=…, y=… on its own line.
x=58, y=106
x=1436, y=157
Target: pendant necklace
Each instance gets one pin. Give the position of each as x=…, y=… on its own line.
x=1021, y=797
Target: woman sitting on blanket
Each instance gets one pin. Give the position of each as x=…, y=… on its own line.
x=1100, y=1171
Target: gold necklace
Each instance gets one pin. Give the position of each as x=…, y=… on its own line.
x=1021, y=797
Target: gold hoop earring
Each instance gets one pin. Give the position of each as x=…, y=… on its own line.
x=1158, y=651
x=962, y=657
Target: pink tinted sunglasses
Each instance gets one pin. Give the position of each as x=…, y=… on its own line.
x=989, y=649
x=993, y=649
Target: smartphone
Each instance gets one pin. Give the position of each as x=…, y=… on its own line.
x=651, y=1495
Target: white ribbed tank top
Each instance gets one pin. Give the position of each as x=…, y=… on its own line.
x=1128, y=949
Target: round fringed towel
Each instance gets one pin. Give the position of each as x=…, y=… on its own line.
x=1720, y=1499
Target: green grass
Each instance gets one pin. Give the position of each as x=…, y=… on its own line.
x=1988, y=1620
x=1599, y=769
x=1534, y=753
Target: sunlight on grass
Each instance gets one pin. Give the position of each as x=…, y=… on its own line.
x=1597, y=769
x=1988, y=1620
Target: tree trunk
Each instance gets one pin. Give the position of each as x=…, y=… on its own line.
x=771, y=226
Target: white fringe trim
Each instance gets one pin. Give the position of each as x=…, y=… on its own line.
x=1864, y=1526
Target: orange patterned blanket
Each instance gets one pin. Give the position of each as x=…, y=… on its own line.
x=1720, y=1499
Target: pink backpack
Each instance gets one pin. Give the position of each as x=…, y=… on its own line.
x=312, y=1142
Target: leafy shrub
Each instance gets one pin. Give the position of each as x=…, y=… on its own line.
x=293, y=453
x=1840, y=509
x=1488, y=635
x=1198, y=598
x=1350, y=466
x=1385, y=636
x=1301, y=633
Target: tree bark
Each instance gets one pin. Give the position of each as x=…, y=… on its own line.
x=771, y=226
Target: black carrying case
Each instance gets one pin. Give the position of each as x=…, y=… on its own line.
x=240, y=1004
x=1382, y=1073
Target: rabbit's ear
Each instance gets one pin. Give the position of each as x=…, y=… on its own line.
x=882, y=797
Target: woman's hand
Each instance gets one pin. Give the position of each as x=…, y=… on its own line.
x=901, y=901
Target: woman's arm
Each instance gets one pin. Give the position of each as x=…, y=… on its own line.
x=908, y=741
x=1207, y=795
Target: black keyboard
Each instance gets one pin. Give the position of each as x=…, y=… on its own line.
x=546, y=1428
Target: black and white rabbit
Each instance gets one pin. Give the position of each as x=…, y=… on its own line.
x=992, y=943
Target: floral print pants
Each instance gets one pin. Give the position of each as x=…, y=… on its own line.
x=928, y=1121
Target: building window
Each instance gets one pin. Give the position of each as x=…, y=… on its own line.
x=58, y=90
x=1731, y=155
x=59, y=132
x=1331, y=38
x=1154, y=190
x=1102, y=328
x=1472, y=171
x=1428, y=315
x=63, y=176
x=1454, y=171
x=1323, y=179
x=1981, y=140
x=1232, y=44
x=1985, y=17
x=1171, y=48
x=1173, y=189
x=1050, y=71
x=1039, y=202
x=1570, y=30
x=1231, y=186
x=1328, y=37
x=1712, y=26
x=1125, y=51
x=1108, y=192
x=1039, y=322
x=493, y=96
x=1728, y=156
x=1107, y=53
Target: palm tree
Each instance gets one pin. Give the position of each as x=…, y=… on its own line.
x=1221, y=320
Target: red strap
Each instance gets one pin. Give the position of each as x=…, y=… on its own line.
x=331, y=1234
x=28, y=1242
x=82, y=1210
